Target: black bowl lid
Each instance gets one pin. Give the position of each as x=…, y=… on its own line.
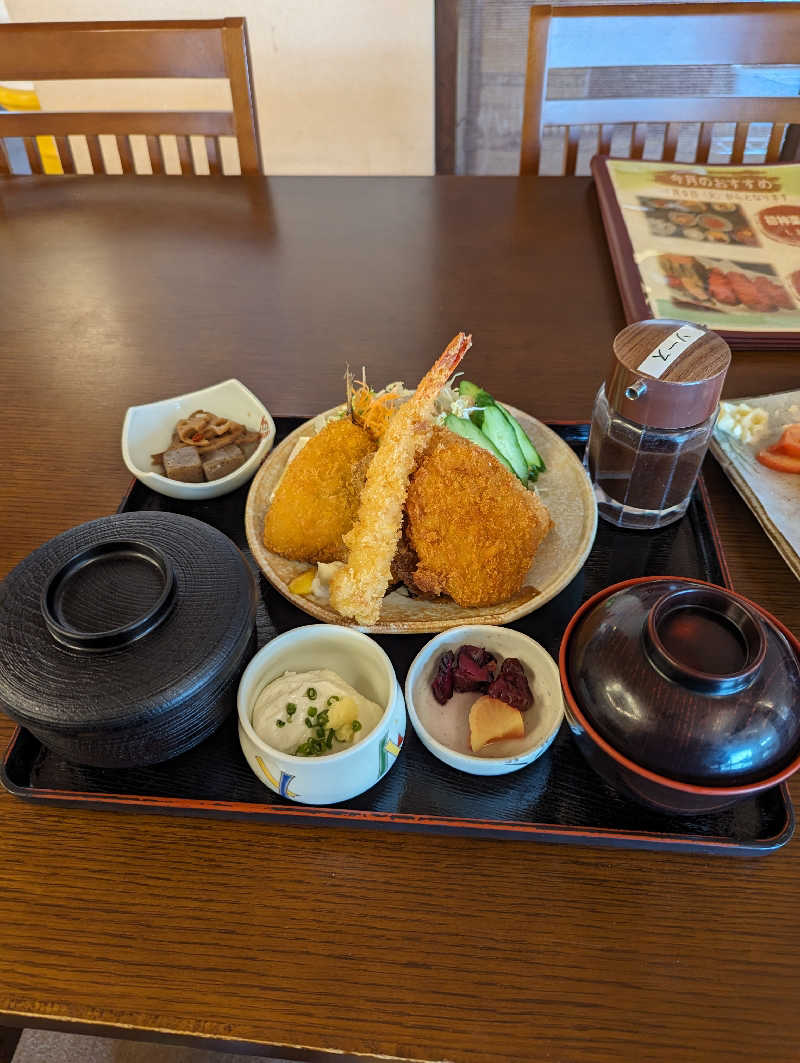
x=688, y=681
x=126, y=620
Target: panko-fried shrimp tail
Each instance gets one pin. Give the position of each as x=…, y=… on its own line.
x=357, y=590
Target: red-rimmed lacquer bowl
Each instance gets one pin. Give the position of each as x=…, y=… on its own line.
x=682, y=694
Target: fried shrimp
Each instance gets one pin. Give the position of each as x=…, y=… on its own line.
x=473, y=525
x=358, y=589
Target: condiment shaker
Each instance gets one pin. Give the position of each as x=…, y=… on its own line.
x=652, y=420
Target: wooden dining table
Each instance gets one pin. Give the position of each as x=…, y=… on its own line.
x=313, y=942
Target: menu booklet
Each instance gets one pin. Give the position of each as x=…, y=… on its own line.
x=715, y=245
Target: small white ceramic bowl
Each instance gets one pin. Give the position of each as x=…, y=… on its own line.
x=147, y=430
x=361, y=663
x=444, y=729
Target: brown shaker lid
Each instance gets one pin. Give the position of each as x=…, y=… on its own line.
x=666, y=373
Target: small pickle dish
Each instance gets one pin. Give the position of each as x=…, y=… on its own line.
x=147, y=431
x=445, y=730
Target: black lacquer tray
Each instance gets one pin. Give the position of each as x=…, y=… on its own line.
x=558, y=798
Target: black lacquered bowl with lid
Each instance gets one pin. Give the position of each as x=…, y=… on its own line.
x=683, y=694
x=122, y=641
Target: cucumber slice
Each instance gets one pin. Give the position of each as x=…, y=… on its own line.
x=464, y=427
x=531, y=454
x=479, y=397
x=483, y=399
x=467, y=389
x=498, y=429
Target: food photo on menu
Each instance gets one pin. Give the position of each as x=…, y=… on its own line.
x=714, y=245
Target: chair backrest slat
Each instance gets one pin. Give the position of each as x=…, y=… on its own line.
x=96, y=153
x=156, y=153
x=775, y=140
x=605, y=135
x=34, y=158
x=125, y=154
x=213, y=155
x=671, y=135
x=185, y=160
x=64, y=149
x=638, y=138
x=572, y=144
x=211, y=48
x=5, y=168
x=704, y=142
x=584, y=38
x=739, y=142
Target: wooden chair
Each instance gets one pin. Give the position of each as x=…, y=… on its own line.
x=215, y=48
x=648, y=36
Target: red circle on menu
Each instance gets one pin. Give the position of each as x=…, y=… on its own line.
x=781, y=223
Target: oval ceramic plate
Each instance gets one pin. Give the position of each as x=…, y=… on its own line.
x=564, y=488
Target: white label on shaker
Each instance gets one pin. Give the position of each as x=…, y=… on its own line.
x=669, y=350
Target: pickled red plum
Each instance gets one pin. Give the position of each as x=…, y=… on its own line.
x=511, y=685
x=475, y=669
x=442, y=685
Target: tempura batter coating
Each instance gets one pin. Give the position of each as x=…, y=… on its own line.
x=357, y=590
x=474, y=526
x=317, y=500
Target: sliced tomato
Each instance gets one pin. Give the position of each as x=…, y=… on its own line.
x=789, y=443
x=777, y=460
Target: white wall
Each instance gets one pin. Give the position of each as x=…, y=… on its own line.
x=342, y=86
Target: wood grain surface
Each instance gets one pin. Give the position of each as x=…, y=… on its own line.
x=313, y=942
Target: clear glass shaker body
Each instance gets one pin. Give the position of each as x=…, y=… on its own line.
x=643, y=477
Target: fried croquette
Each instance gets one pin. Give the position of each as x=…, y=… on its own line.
x=473, y=525
x=317, y=500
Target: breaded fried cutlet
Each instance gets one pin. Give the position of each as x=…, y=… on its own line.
x=317, y=500
x=472, y=523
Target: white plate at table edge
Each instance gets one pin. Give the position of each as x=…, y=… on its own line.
x=729, y=453
x=419, y=616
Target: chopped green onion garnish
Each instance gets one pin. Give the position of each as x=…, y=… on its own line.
x=291, y=708
x=312, y=711
x=356, y=725
x=329, y=739
x=311, y=693
x=331, y=699
x=280, y=723
x=320, y=732
x=309, y=723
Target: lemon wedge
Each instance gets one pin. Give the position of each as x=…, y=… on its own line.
x=302, y=584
